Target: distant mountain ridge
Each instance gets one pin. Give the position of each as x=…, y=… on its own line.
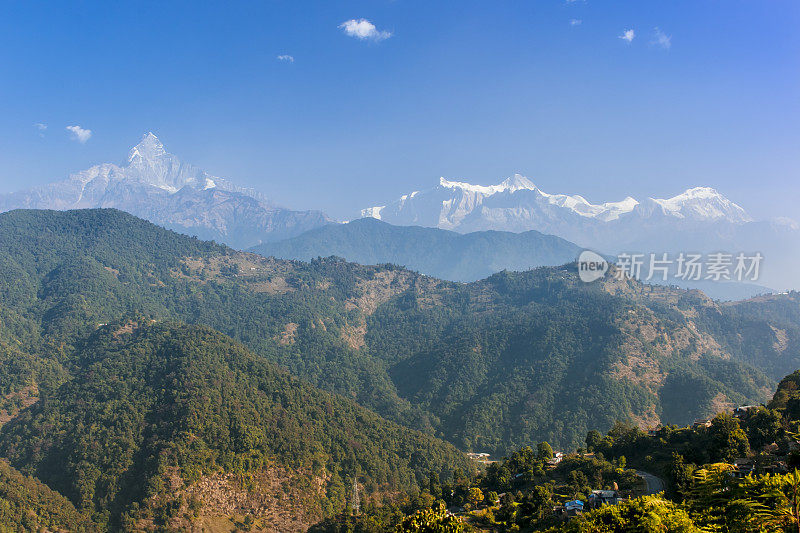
x=435, y=252
x=159, y=187
x=456, y=256
x=699, y=219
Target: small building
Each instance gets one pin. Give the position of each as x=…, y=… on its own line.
x=557, y=458
x=573, y=508
x=598, y=498
x=743, y=467
x=569, y=510
x=778, y=467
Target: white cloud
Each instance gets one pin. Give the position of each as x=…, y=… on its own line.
x=41, y=127
x=79, y=134
x=628, y=35
x=286, y=57
x=363, y=29
x=661, y=39
x=575, y=22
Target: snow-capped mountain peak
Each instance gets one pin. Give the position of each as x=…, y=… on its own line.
x=158, y=186
x=149, y=162
x=470, y=188
x=518, y=182
x=515, y=183
x=703, y=203
x=149, y=148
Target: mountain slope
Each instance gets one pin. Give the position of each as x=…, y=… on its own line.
x=538, y=353
x=697, y=220
x=157, y=412
x=159, y=187
x=515, y=358
x=29, y=367
x=26, y=504
x=435, y=252
x=765, y=331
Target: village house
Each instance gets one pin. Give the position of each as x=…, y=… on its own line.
x=598, y=498
x=480, y=457
x=742, y=467
x=742, y=411
x=568, y=510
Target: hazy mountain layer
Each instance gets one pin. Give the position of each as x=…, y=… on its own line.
x=439, y=253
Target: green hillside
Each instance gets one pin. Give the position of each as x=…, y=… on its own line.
x=156, y=409
x=764, y=331
x=26, y=504
x=490, y=365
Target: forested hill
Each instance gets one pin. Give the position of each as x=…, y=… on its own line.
x=432, y=251
x=490, y=365
x=155, y=411
x=27, y=504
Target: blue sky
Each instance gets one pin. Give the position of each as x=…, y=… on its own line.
x=470, y=90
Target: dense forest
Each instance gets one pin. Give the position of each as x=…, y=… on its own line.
x=27, y=504
x=155, y=407
x=490, y=366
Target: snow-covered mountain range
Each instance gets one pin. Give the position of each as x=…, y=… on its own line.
x=159, y=187
x=697, y=220
x=516, y=204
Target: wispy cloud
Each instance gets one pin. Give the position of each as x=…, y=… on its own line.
x=79, y=134
x=627, y=35
x=41, y=127
x=661, y=39
x=575, y=22
x=363, y=30
x=285, y=58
